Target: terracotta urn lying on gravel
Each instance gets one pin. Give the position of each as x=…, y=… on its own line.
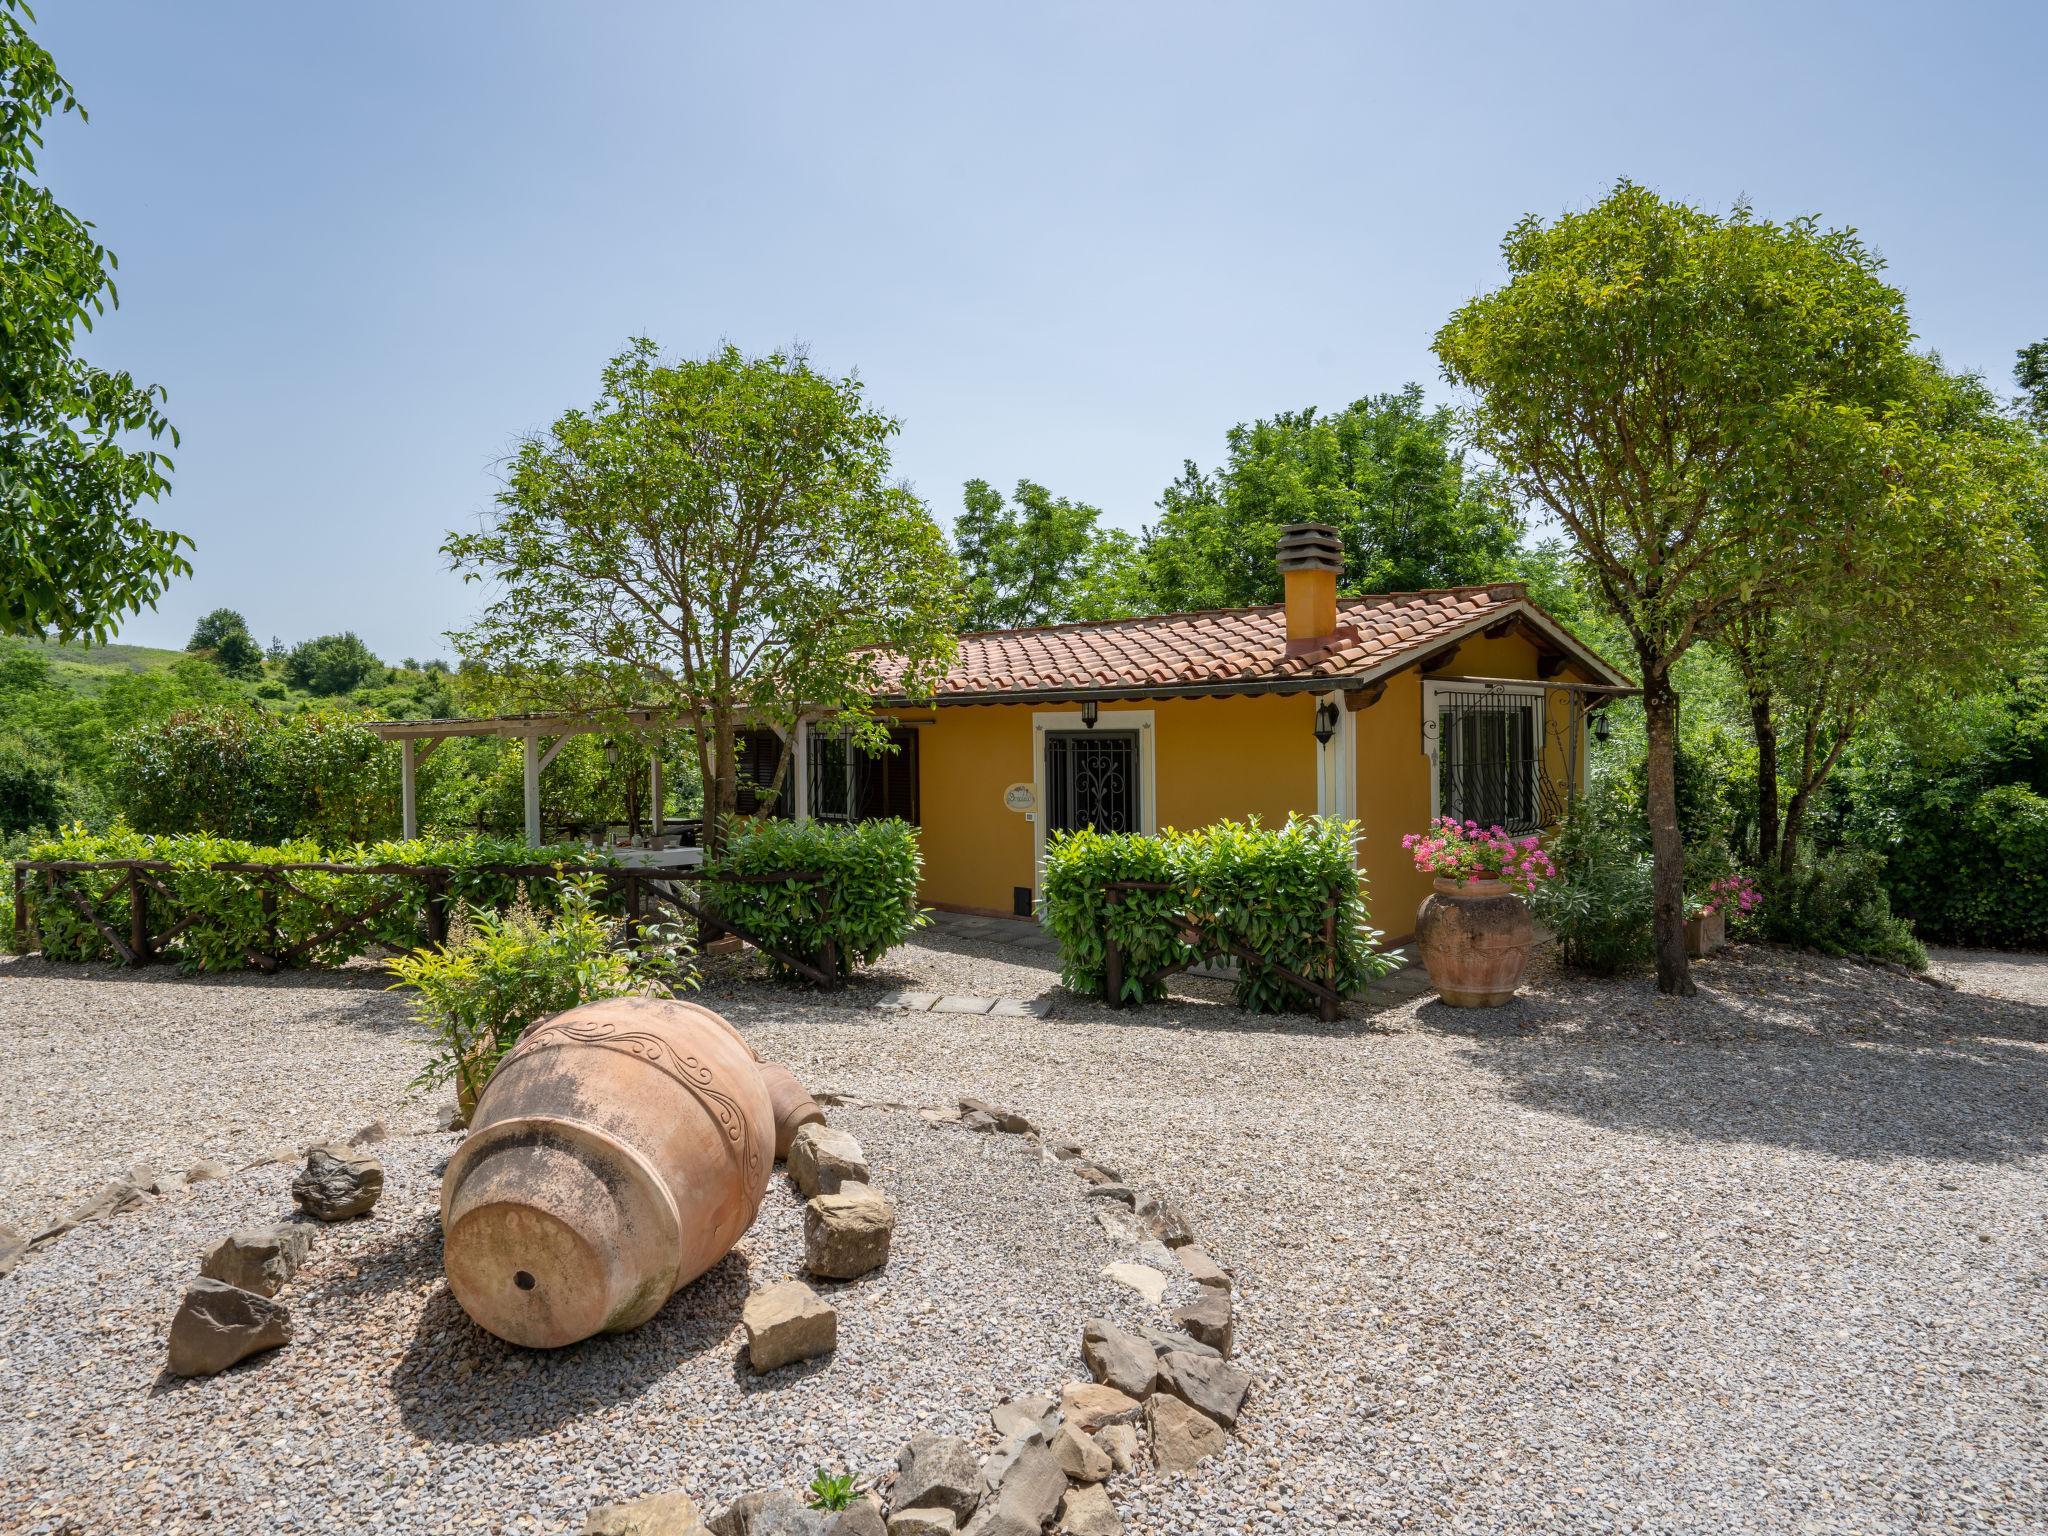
x=1475, y=937
x=794, y=1109
x=618, y=1152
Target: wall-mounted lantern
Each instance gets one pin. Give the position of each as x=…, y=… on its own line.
x=1326, y=722
x=1090, y=713
x=611, y=751
x=1600, y=726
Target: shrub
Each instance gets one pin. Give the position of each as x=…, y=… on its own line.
x=1266, y=891
x=331, y=664
x=1602, y=900
x=33, y=792
x=1977, y=873
x=867, y=902
x=231, y=917
x=1836, y=903
x=503, y=971
x=262, y=778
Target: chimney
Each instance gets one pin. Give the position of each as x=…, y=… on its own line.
x=1311, y=559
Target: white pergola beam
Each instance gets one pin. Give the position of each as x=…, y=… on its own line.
x=531, y=749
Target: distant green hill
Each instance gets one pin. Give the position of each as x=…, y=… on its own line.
x=84, y=667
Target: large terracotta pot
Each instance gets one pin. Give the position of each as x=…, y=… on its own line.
x=794, y=1109
x=1475, y=937
x=617, y=1153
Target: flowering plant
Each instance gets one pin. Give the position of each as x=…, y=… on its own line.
x=1464, y=850
x=1736, y=895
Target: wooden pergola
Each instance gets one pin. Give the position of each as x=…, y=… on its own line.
x=541, y=737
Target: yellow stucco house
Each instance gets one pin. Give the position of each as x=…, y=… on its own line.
x=1389, y=709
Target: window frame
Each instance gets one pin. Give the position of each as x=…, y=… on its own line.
x=1532, y=702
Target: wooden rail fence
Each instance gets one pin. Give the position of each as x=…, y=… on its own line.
x=1194, y=934
x=643, y=892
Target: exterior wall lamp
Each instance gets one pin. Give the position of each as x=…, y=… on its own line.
x=1090, y=713
x=611, y=751
x=1600, y=726
x=1326, y=722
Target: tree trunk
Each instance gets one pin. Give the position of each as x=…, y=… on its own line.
x=1763, y=725
x=722, y=793
x=1795, y=819
x=1667, y=844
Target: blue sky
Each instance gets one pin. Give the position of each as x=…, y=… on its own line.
x=368, y=246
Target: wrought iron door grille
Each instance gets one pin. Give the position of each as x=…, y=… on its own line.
x=1091, y=781
x=1487, y=758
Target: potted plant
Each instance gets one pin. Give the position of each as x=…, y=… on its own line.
x=1474, y=929
x=1706, y=916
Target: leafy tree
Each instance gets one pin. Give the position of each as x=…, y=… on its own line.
x=2031, y=373
x=1038, y=559
x=718, y=539
x=1384, y=471
x=74, y=456
x=1699, y=401
x=331, y=664
x=1940, y=607
x=224, y=635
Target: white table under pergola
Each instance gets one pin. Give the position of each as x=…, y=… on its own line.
x=540, y=737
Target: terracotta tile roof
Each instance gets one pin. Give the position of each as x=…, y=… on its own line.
x=1217, y=649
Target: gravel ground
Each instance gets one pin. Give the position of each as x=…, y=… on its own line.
x=390, y=1411
x=102, y=1068
x=1774, y=1259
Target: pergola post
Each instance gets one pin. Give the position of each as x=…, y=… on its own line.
x=531, y=744
x=654, y=790
x=408, y=790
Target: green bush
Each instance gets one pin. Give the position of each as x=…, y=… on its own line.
x=1976, y=872
x=33, y=793
x=1600, y=904
x=503, y=971
x=231, y=916
x=1835, y=902
x=262, y=778
x=331, y=664
x=1266, y=891
x=867, y=902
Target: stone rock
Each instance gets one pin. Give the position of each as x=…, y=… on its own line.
x=1086, y=1511
x=1207, y=1320
x=1216, y=1387
x=122, y=1194
x=1118, y=1221
x=1027, y=1486
x=768, y=1512
x=936, y=1472
x=991, y=1521
x=1015, y=1418
x=166, y=1183
x=786, y=1323
x=923, y=1520
x=206, y=1171
x=1181, y=1437
x=1142, y=1278
x=1092, y=1172
x=1205, y=1270
x=1118, y=1358
x=377, y=1131
x=822, y=1159
x=979, y=1121
x=860, y=1518
x=1123, y=1194
x=1166, y=1343
x=1120, y=1443
x=1089, y=1405
x=451, y=1118
x=13, y=1246
x=218, y=1325
x=978, y=1107
x=1079, y=1456
x=662, y=1514
x=847, y=1234
x=338, y=1182
x=1164, y=1222
x=1014, y=1124
x=1063, y=1148
x=259, y=1259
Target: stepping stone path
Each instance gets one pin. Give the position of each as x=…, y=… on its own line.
x=993, y=1007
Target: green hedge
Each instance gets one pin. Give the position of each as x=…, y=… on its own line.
x=1268, y=891
x=1835, y=902
x=867, y=902
x=232, y=918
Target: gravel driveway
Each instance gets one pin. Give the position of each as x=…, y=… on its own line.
x=1774, y=1259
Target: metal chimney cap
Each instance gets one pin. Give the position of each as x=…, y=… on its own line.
x=1311, y=547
